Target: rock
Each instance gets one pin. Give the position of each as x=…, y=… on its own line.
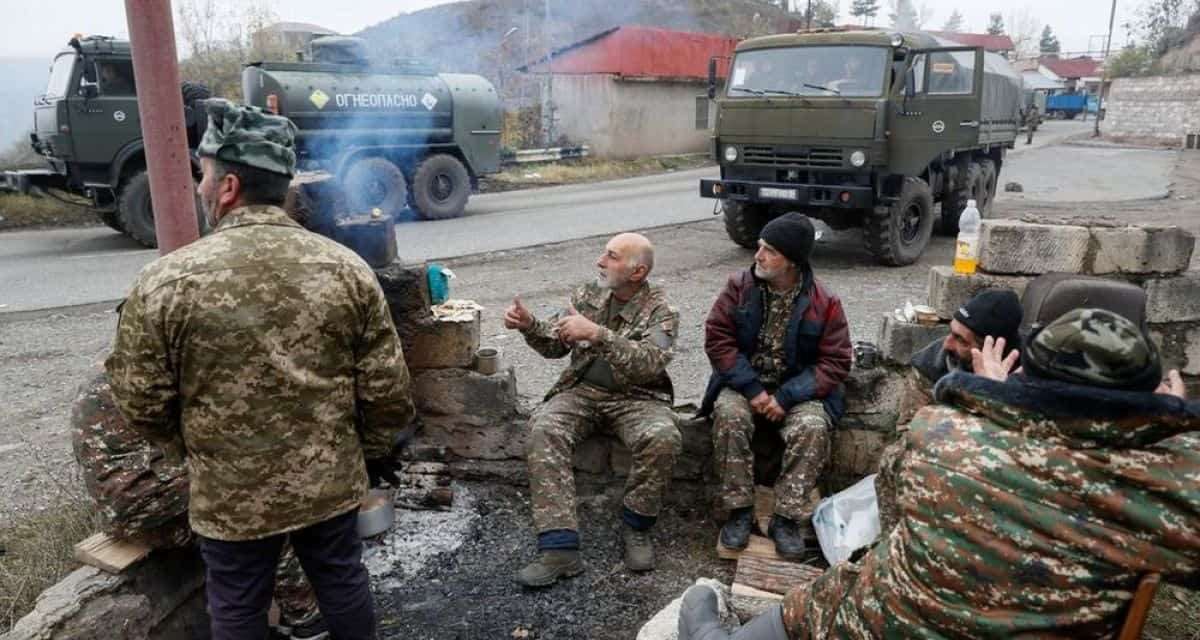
x=665, y=624
x=1013, y=187
x=445, y=343
x=1138, y=250
x=407, y=292
x=898, y=341
x=59, y=604
x=1014, y=247
x=1179, y=345
x=949, y=290
x=874, y=391
x=469, y=414
x=1174, y=299
x=855, y=455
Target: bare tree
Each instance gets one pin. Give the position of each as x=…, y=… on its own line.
x=1023, y=28
x=954, y=24
x=219, y=38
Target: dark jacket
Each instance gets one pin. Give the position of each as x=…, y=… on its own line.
x=818, y=344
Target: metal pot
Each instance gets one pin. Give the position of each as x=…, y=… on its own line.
x=376, y=513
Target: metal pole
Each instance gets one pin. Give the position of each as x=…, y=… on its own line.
x=549, y=79
x=808, y=15
x=160, y=107
x=1107, y=46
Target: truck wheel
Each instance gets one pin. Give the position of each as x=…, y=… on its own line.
x=440, y=187
x=987, y=187
x=135, y=213
x=954, y=205
x=375, y=183
x=898, y=234
x=743, y=222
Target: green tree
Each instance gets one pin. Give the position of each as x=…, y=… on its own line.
x=219, y=38
x=953, y=24
x=1048, y=43
x=904, y=15
x=1131, y=61
x=864, y=10
x=1163, y=23
x=995, y=24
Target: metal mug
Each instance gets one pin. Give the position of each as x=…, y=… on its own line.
x=866, y=355
x=487, y=360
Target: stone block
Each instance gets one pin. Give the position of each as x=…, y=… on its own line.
x=1014, y=247
x=1174, y=299
x=898, y=341
x=874, y=392
x=1179, y=345
x=449, y=342
x=406, y=289
x=949, y=290
x=476, y=438
x=1138, y=250
x=469, y=414
x=856, y=453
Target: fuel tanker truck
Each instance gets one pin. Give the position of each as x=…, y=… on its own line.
x=397, y=135
x=861, y=128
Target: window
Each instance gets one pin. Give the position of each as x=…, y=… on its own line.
x=829, y=71
x=951, y=72
x=917, y=73
x=60, y=76
x=115, y=77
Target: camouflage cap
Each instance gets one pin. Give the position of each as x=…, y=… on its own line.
x=1094, y=347
x=249, y=136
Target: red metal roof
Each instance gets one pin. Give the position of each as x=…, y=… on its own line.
x=1082, y=67
x=640, y=52
x=988, y=41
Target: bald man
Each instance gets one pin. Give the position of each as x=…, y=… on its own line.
x=620, y=334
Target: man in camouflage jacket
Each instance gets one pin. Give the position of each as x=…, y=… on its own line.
x=780, y=349
x=620, y=333
x=1033, y=503
x=267, y=354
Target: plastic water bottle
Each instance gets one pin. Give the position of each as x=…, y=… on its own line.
x=966, y=253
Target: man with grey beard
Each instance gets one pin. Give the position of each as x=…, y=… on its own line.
x=620, y=333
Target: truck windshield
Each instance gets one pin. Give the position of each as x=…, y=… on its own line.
x=848, y=71
x=60, y=76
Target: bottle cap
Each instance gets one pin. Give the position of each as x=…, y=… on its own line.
x=970, y=204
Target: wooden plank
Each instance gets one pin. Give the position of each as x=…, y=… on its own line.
x=739, y=589
x=773, y=575
x=102, y=551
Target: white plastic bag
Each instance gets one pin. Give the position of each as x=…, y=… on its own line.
x=847, y=520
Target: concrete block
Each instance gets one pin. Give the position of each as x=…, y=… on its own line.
x=1139, y=250
x=949, y=290
x=449, y=342
x=1174, y=299
x=1179, y=345
x=406, y=289
x=855, y=455
x=874, y=391
x=469, y=414
x=898, y=341
x=1014, y=247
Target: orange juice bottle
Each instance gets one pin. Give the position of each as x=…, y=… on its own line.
x=966, y=252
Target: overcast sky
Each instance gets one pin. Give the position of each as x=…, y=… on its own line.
x=33, y=28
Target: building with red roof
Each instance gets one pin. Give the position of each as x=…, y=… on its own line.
x=631, y=91
x=1082, y=73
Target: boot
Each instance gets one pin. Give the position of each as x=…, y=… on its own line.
x=551, y=565
x=789, y=543
x=314, y=628
x=699, y=620
x=736, y=532
x=639, y=550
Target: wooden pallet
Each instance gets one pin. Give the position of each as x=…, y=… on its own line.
x=105, y=552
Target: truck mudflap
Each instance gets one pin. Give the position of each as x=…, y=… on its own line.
x=842, y=197
x=30, y=180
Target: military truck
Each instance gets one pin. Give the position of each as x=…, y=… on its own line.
x=863, y=129
x=372, y=125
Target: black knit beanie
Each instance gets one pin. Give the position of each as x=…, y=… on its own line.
x=993, y=312
x=793, y=235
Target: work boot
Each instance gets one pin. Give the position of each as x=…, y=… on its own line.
x=551, y=565
x=736, y=532
x=700, y=620
x=314, y=628
x=789, y=543
x=639, y=550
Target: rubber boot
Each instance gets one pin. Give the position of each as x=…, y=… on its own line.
x=736, y=532
x=789, y=542
x=639, y=549
x=699, y=620
x=550, y=565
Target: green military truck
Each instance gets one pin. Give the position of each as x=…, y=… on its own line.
x=863, y=129
x=397, y=135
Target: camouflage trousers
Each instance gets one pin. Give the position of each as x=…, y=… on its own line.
x=885, y=485
x=293, y=594
x=805, y=431
x=809, y=612
x=647, y=427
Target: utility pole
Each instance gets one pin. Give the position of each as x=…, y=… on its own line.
x=808, y=16
x=548, y=107
x=1107, y=45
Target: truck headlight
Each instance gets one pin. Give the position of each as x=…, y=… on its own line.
x=731, y=154
x=858, y=158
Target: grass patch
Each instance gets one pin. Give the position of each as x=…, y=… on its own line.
x=583, y=170
x=1173, y=615
x=20, y=211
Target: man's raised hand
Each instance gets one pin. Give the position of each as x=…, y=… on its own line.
x=517, y=316
x=989, y=362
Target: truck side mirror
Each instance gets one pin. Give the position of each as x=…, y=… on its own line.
x=89, y=90
x=712, y=78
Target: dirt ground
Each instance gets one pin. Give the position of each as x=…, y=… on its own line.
x=468, y=593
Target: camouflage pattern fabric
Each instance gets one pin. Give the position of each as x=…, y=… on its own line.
x=638, y=344
x=807, y=441
x=272, y=351
x=647, y=427
x=1030, y=508
x=250, y=136
x=770, y=358
x=293, y=592
x=916, y=394
x=1096, y=347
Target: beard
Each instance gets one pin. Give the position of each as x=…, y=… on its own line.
x=609, y=280
x=208, y=206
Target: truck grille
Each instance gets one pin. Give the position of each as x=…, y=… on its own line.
x=793, y=156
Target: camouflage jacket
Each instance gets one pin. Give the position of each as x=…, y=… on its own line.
x=1030, y=507
x=927, y=367
x=638, y=341
x=270, y=351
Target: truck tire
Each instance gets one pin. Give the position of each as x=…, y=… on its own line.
x=744, y=221
x=953, y=206
x=441, y=186
x=987, y=187
x=135, y=213
x=375, y=183
x=898, y=234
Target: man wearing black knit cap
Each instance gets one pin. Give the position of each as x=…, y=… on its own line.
x=780, y=349
x=992, y=312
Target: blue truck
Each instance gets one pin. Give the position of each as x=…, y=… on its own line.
x=1067, y=105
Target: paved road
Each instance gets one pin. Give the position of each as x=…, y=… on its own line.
x=47, y=269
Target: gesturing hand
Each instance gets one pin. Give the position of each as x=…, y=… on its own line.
x=517, y=316
x=774, y=411
x=760, y=402
x=989, y=362
x=573, y=328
